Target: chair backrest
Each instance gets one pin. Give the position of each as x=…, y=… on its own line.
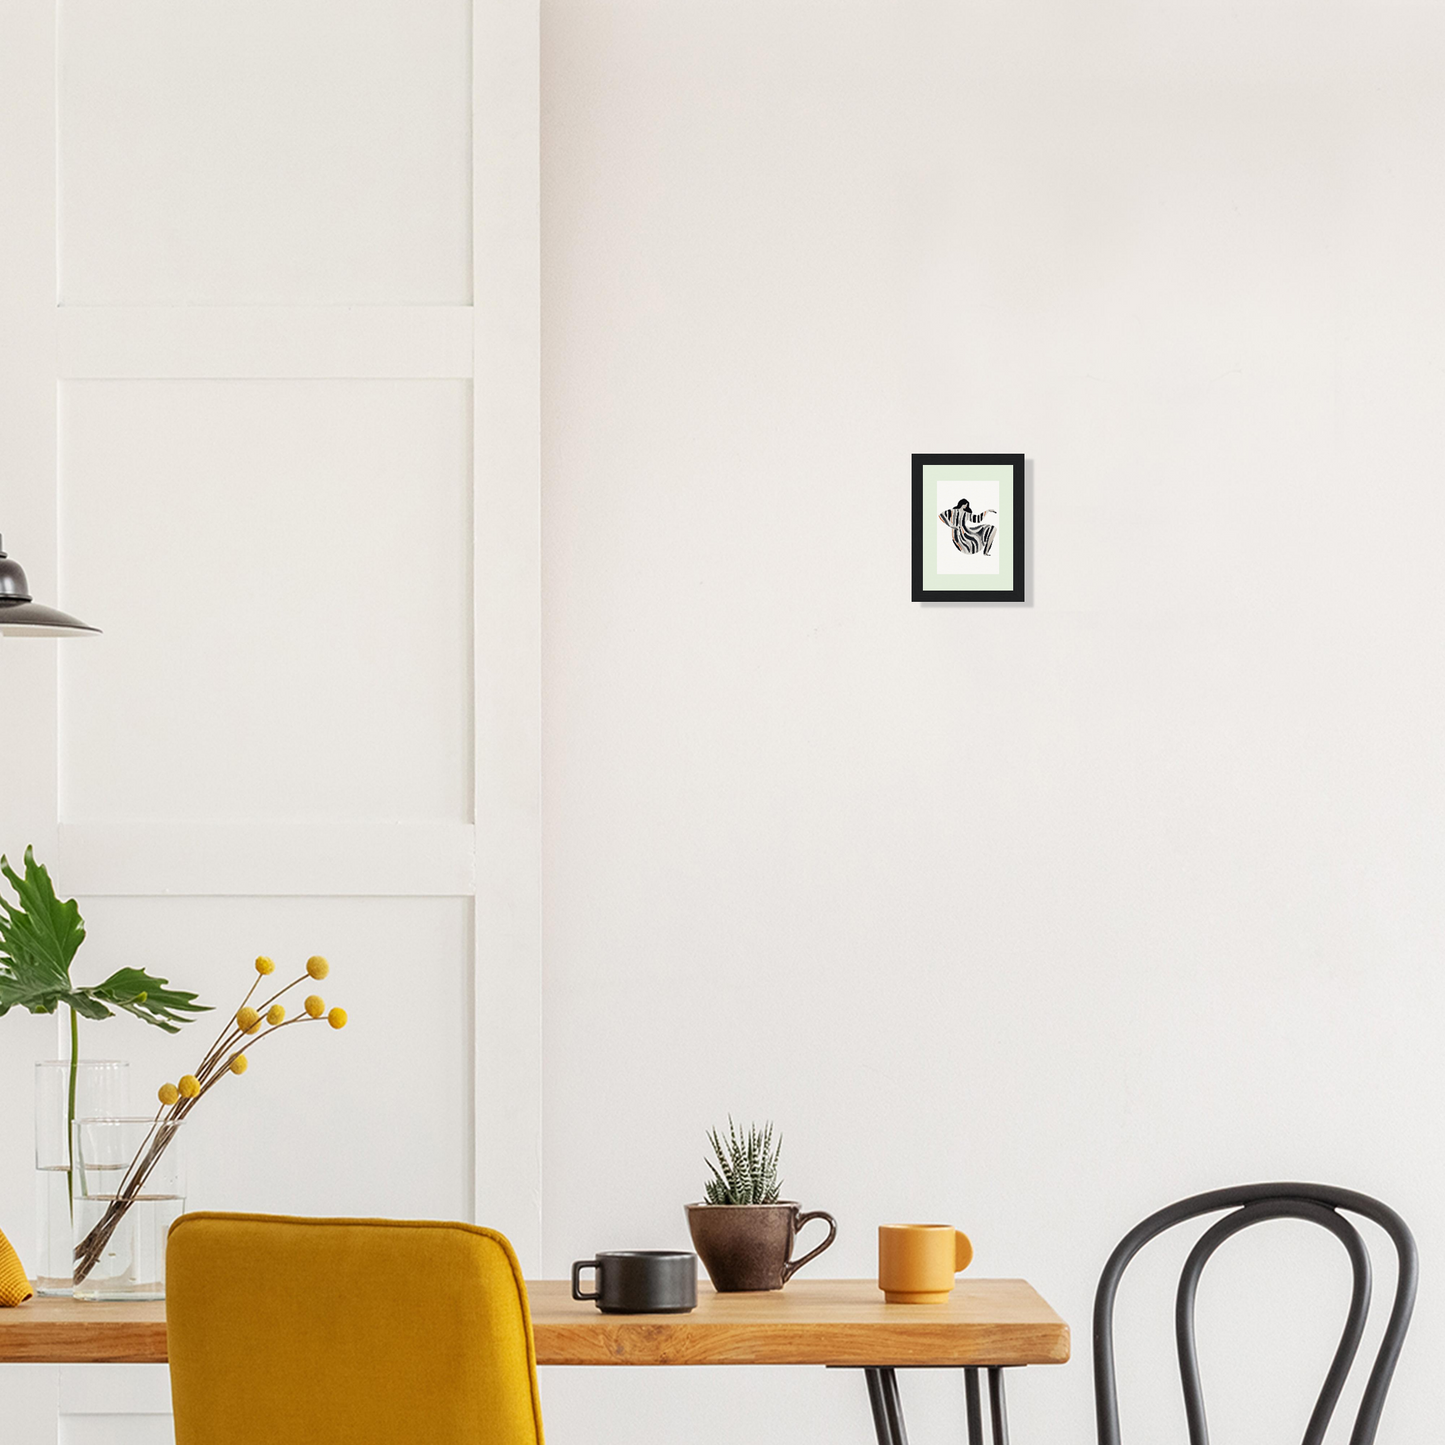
x=363, y=1331
x=1251, y=1203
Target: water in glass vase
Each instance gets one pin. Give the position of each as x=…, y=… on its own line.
x=100, y=1087
x=132, y=1264
x=54, y=1242
x=129, y=1190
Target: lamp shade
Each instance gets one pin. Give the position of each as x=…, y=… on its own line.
x=21, y=616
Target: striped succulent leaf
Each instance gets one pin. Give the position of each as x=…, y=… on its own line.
x=745, y=1166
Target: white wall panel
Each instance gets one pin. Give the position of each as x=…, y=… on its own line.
x=105, y=1389
x=282, y=570
x=255, y=341
x=436, y=860
x=115, y=1430
x=27, y=400
x=268, y=151
x=508, y=746
x=31, y=1394
x=27, y=668
x=261, y=214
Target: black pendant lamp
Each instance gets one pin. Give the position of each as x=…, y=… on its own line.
x=20, y=617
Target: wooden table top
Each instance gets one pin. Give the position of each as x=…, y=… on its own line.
x=811, y=1322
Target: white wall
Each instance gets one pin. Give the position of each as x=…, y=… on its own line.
x=1029, y=917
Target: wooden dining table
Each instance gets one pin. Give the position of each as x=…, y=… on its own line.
x=986, y=1325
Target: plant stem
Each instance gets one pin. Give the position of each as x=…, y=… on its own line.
x=70, y=1109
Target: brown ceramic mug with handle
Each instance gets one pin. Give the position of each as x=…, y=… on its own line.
x=917, y=1262
x=750, y=1246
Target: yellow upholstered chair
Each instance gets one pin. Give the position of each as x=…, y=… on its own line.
x=363, y=1331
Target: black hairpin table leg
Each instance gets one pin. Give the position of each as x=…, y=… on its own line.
x=887, y=1407
x=973, y=1404
x=996, y=1406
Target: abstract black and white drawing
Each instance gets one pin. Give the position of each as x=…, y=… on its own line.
x=971, y=531
x=968, y=527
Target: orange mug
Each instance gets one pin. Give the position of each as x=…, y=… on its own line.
x=917, y=1262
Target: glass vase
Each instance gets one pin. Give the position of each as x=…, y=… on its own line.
x=101, y=1087
x=129, y=1189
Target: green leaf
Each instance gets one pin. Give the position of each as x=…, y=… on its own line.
x=38, y=938
x=148, y=998
x=38, y=998
x=87, y=1006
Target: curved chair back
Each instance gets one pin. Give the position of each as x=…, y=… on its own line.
x=363, y=1331
x=1251, y=1203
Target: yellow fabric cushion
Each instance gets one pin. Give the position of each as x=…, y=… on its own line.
x=362, y=1331
x=14, y=1287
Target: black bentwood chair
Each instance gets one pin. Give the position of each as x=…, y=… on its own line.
x=1251, y=1203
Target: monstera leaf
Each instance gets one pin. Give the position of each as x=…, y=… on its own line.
x=145, y=996
x=39, y=936
x=38, y=939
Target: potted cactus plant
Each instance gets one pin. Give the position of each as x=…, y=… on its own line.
x=743, y=1230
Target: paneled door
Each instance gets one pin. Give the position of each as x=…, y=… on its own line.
x=269, y=418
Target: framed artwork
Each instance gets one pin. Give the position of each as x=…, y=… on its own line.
x=968, y=527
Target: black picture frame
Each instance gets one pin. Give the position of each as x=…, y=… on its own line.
x=1011, y=537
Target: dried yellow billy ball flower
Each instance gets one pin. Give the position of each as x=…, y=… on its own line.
x=247, y=1018
x=276, y=1014
x=317, y=966
x=337, y=1018
x=190, y=1086
x=315, y=1005
x=168, y=1094
x=265, y=965
x=238, y=1064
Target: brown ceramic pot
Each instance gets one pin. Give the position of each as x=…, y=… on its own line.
x=749, y=1246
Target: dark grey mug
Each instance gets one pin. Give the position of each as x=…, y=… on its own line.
x=640, y=1281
